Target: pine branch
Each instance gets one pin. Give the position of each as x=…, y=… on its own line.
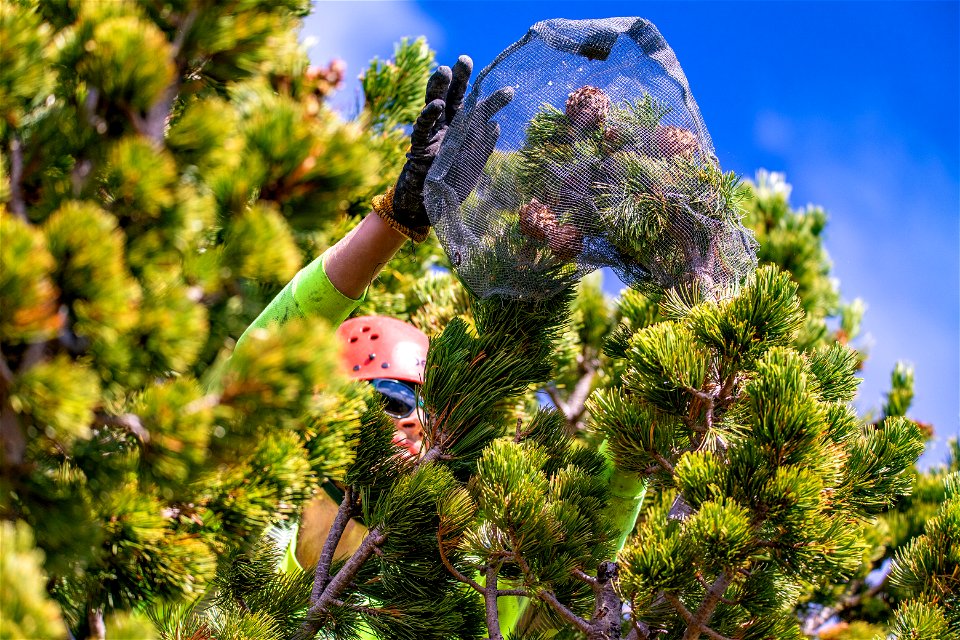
x=638, y=630
x=156, y=120
x=577, y=404
x=74, y=344
x=691, y=619
x=11, y=435
x=490, y=603
x=556, y=399
x=585, y=577
x=565, y=613
x=707, y=400
x=548, y=596
x=322, y=575
x=697, y=623
x=606, y=613
x=340, y=581
x=432, y=454
x=370, y=611
x=98, y=124
x=663, y=462
x=17, y=205
x=456, y=573
x=812, y=624
x=6, y=373
x=706, y=585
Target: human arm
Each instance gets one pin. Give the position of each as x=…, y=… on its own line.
x=333, y=285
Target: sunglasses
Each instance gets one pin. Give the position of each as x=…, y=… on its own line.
x=400, y=398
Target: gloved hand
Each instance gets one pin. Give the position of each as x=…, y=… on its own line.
x=402, y=206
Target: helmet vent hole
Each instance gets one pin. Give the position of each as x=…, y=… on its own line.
x=365, y=329
x=374, y=336
x=354, y=339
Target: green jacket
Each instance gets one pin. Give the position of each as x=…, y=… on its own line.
x=309, y=295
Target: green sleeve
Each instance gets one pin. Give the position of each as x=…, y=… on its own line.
x=309, y=295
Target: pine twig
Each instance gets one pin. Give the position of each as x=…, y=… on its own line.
x=456, y=572
x=663, y=462
x=322, y=575
x=549, y=597
x=370, y=611
x=585, y=577
x=565, y=613
x=577, y=402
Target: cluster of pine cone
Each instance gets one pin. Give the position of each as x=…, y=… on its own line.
x=588, y=109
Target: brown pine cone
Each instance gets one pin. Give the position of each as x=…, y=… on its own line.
x=613, y=139
x=673, y=141
x=587, y=107
x=537, y=221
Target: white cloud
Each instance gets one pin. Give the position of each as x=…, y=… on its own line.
x=356, y=32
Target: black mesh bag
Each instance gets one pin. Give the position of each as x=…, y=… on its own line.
x=582, y=147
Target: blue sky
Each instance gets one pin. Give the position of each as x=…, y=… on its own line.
x=857, y=102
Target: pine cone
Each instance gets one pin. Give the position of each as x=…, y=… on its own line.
x=674, y=141
x=613, y=139
x=537, y=221
x=587, y=107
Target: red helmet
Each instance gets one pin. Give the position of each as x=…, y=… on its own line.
x=382, y=347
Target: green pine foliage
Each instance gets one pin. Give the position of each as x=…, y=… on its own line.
x=27, y=611
x=167, y=168
x=927, y=570
x=775, y=485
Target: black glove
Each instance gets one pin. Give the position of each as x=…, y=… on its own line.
x=402, y=207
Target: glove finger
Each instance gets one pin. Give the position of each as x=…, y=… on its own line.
x=491, y=133
x=483, y=140
x=493, y=103
x=438, y=84
x=458, y=87
x=420, y=136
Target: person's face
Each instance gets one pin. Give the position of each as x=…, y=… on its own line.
x=401, y=403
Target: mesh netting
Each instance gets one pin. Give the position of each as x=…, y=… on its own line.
x=582, y=147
